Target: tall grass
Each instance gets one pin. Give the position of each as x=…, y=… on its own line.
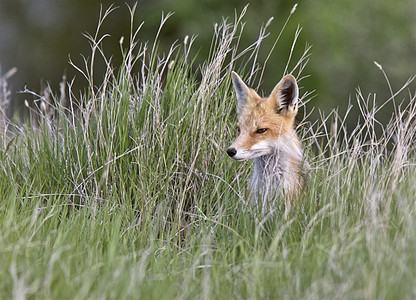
x=124, y=191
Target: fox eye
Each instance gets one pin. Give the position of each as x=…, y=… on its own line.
x=261, y=130
x=238, y=130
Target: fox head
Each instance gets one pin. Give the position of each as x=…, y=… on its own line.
x=263, y=122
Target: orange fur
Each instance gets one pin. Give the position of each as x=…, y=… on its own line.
x=266, y=133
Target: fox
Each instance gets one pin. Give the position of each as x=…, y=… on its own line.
x=266, y=133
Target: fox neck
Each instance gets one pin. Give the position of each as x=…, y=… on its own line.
x=280, y=169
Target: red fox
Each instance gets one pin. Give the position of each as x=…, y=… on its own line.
x=265, y=133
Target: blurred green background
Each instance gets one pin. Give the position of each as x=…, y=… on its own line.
x=36, y=36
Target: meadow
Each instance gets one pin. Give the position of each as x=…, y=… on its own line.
x=124, y=190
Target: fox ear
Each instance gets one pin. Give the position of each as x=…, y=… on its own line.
x=241, y=90
x=286, y=94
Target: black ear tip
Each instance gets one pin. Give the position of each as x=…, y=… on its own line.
x=238, y=83
x=235, y=78
x=288, y=91
x=289, y=81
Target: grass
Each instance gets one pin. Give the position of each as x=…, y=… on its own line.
x=124, y=191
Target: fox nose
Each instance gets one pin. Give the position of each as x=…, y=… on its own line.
x=231, y=152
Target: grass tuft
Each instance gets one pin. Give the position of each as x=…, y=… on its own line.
x=124, y=191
